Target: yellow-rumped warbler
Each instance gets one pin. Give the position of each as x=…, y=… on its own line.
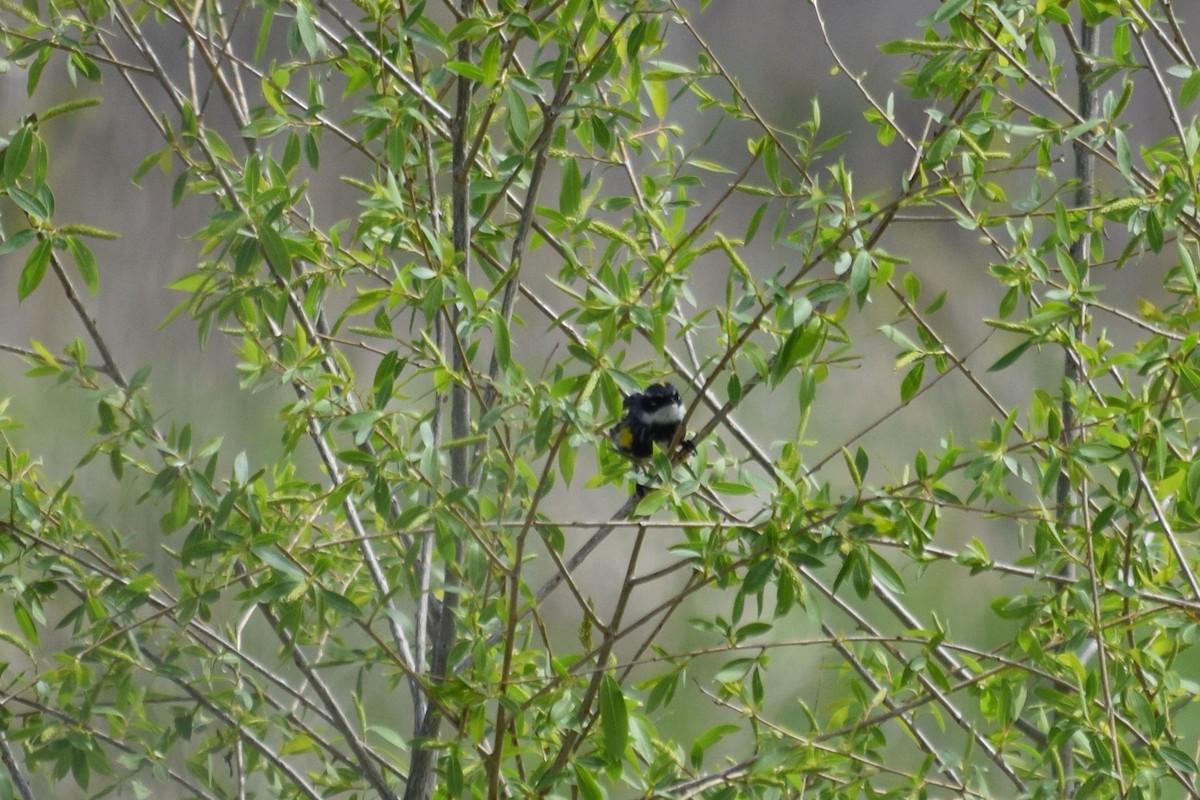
x=652, y=416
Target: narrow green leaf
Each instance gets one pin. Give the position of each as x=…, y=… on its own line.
x=275, y=250
x=950, y=9
x=663, y=691
x=307, y=30
x=1008, y=303
x=177, y=515
x=787, y=356
x=35, y=69
x=470, y=27
x=16, y=155
x=25, y=622
x=572, y=189
x=312, y=151
x=710, y=166
x=30, y=204
x=589, y=788
x=1154, y=230
x=18, y=240
x=614, y=718
x=566, y=463
x=852, y=468
x=1190, y=88
x=886, y=574
x=385, y=379
x=85, y=262
x=652, y=502
x=340, y=603
x=85, y=65
x=755, y=221
x=1011, y=356
x=770, y=156
x=291, y=153
x=943, y=146
x=713, y=735
x=899, y=338
x=912, y=382
x=466, y=70
x=1069, y=269
x=503, y=345
x=860, y=272
x=1178, y=758
x=34, y=270
x=912, y=286
x=517, y=120
x=490, y=62
x=1124, y=159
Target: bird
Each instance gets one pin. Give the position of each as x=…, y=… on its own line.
x=651, y=417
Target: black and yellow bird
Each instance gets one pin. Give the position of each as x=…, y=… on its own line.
x=651, y=417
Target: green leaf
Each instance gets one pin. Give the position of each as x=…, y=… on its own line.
x=469, y=28
x=755, y=221
x=177, y=516
x=291, y=153
x=711, y=737
x=886, y=574
x=1124, y=158
x=35, y=68
x=29, y=203
x=652, y=502
x=659, y=98
x=385, y=379
x=466, y=70
x=34, y=270
x=710, y=166
x=899, y=338
x=18, y=240
x=912, y=286
x=566, y=463
x=733, y=670
x=307, y=30
x=79, y=61
x=860, y=272
x=571, y=194
x=787, y=356
x=949, y=10
x=85, y=262
x=275, y=249
x=1011, y=356
x=16, y=155
x=1178, y=759
x=1008, y=303
x=614, y=718
x=1190, y=88
x=503, y=344
x=942, y=147
x=25, y=623
x=340, y=603
x=490, y=62
x=241, y=468
x=589, y=788
x=912, y=382
x=312, y=152
x=663, y=691
x=1154, y=230
x=517, y=120
x=770, y=157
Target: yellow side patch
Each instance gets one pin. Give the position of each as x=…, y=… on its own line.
x=625, y=438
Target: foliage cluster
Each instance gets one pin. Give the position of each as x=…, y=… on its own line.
x=544, y=226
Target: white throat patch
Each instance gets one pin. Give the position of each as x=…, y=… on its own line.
x=667, y=415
